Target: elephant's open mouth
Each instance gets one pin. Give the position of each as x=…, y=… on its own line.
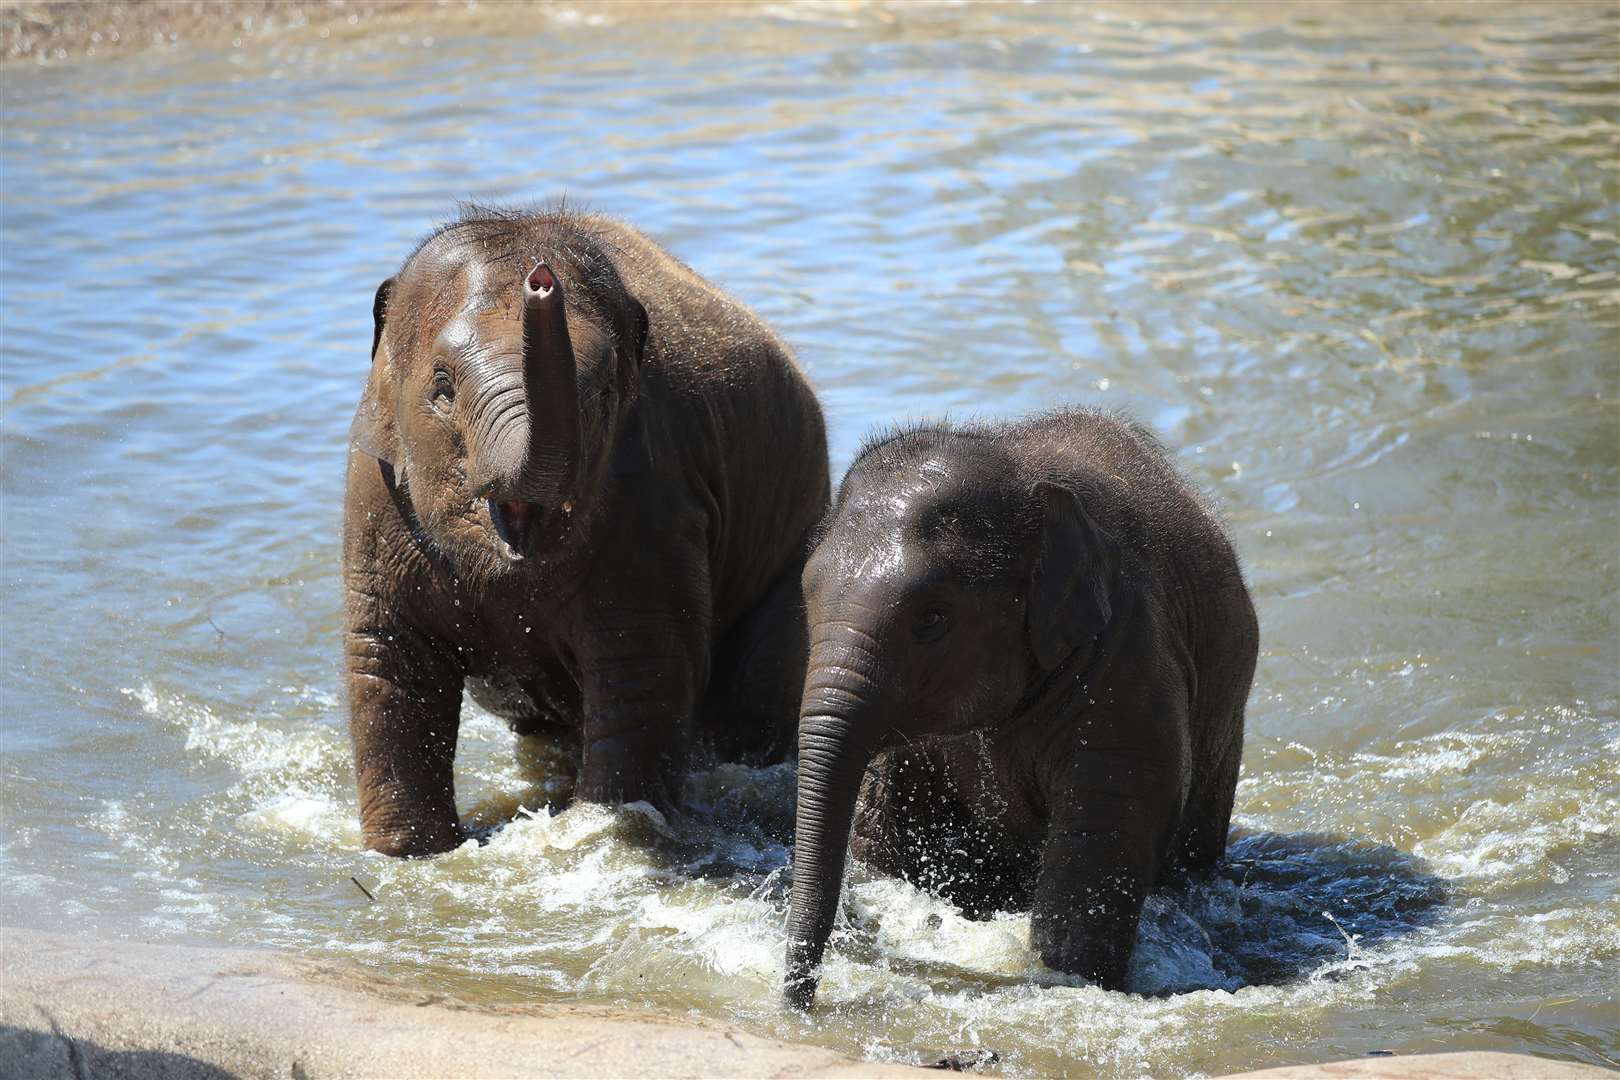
x=513, y=523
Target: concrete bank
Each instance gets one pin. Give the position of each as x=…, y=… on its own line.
x=79, y=1008
x=1474, y=1065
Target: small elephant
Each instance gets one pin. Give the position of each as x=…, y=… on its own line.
x=581, y=485
x=1038, y=636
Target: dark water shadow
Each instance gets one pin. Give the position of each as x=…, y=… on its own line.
x=38, y=1054
x=1282, y=906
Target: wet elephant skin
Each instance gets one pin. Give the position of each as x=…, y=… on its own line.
x=1030, y=650
x=580, y=483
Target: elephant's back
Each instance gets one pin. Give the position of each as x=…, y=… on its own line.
x=694, y=327
x=1141, y=495
x=744, y=413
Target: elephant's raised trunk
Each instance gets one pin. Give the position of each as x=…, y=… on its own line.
x=835, y=744
x=552, y=462
x=528, y=453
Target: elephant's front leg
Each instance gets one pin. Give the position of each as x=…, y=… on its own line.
x=1099, y=860
x=404, y=708
x=641, y=677
x=924, y=815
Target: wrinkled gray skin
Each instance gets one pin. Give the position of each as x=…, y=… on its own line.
x=1038, y=638
x=581, y=484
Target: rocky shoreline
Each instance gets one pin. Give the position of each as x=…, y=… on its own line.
x=76, y=1007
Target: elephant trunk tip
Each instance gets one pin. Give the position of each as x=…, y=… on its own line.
x=552, y=448
x=799, y=992
x=541, y=280
x=799, y=984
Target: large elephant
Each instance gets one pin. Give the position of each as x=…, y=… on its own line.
x=581, y=485
x=1038, y=637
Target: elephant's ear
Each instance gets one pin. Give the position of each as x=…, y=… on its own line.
x=633, y=454
x=635, y=333
x=1071, y=590
x=373, y=429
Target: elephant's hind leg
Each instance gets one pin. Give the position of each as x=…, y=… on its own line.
x=1208, y=817
x=540, y=702
x=751, y=710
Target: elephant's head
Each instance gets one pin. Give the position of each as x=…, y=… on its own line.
x=504, y=382
x=947, y=583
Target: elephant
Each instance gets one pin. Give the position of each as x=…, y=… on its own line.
x=581, y=485
x=1030, y=650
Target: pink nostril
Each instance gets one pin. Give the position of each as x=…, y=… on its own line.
x=541, y=279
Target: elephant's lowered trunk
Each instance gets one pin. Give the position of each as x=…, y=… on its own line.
x=833, y=753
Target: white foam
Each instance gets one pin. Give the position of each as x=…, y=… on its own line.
x=623, y=903
x=247, y=746
x=305, y=817
x=1506, y=842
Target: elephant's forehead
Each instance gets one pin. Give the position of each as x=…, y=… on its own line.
x=873, y=549
x=450, y=279
x=919, y=495
x=450, y=305
x=936, y=514
x=898, y=495
x=887, y=527
x=481, y=309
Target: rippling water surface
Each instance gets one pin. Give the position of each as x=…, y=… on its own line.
x=1357, y=264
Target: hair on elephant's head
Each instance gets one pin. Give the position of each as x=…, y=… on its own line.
x=949, y=582
x=503, y=386
x=959, y=574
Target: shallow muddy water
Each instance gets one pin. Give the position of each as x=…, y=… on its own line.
x=1358, y=266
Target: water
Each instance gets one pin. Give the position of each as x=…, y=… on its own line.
x=1357, y=264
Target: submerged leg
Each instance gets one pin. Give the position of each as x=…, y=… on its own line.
x=920, y=818
x=1103, y=851
x=403, y=715
x=751, y=711
x=1208, y=817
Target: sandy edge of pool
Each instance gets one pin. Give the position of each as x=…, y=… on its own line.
x=78, y=1007
x=51, y=32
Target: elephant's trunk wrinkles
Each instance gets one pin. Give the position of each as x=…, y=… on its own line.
x=835, y=743
x=526, y=424
x=500, y=432
x=551, y=445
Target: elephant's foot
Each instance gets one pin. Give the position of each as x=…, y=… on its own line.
x=614, y=773
x=1084, y=952
x=396, y=820
x=415, y=842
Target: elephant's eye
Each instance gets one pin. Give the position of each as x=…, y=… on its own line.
x=444, y=390
x=930, y=627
